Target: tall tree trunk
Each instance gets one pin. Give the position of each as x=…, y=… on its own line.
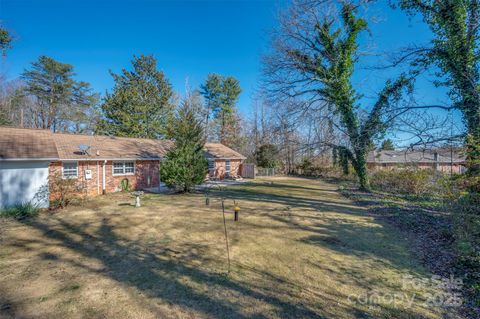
x=472, y=116
x=360, y=165
x=222, y=129
x=206, y=123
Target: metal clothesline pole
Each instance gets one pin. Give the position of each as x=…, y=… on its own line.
x=226, y=235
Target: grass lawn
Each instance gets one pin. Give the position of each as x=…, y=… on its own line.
x=300, y=250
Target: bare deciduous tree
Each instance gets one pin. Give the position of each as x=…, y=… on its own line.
x=314, y=53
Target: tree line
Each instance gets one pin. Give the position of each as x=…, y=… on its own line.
x=308, y=104
x=141, y=104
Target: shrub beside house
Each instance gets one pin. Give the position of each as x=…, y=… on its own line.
x=100, y=164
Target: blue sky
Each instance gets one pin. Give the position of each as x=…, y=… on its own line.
x=189, y=38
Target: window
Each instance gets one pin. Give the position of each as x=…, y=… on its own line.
x=118, y=168
x=69, y=169
x=227, y=166
x=129, y=167
x=211, y=166
x=123, y=168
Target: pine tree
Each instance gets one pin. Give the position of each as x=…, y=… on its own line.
x=266, y=156
x=5, y=43
x=140, y=104
x=185, y=165
x=59, y=98
x=221, y=95
x=387, y=145
x=5, y=40
x=3, y=119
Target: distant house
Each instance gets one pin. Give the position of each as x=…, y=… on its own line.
x=443, y=160
x=223, y=161
x=101, y=164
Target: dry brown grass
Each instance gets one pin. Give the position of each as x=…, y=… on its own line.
x=299, y=251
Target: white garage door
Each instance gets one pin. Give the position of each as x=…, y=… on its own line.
x=23, y=181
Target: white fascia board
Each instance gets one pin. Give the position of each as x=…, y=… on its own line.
x=111, y=159
x=419, y=162
x=226, y=158
x=28, y=159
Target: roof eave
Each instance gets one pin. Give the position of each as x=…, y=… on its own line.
x=113, y=159
x=420, y=162
x=29, y=159
x=227, y=158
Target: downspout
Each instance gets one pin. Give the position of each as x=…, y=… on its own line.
x=103, y=180
x=98, y=178
x=160, y=175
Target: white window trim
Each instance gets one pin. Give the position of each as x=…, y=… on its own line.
x=123, y=174
x=229, y=166
x=69, y=177
x=211, y=169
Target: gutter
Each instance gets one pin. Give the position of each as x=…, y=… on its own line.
x=28, y=159
x=226, y=158
x=112, y=159
x=115, y=159
x=414, y=162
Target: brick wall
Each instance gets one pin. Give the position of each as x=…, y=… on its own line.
x=86, y=187
x=146, y=175
x=442, y=167
x=220, y=169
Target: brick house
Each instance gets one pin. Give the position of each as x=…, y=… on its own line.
x=108, y=163
x=223, y=162
x=31, y=158
x=442, y=160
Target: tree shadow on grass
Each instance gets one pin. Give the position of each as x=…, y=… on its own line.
x=350, y=237
x=7, y=306
x=364, y=241
x=159, y=272
x=321, y=205
x=279, y=185
x=156, y=271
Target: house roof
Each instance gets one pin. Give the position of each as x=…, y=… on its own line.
x=109, y=147
x=218, y=150
x=427, y=156
x=20, y=144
